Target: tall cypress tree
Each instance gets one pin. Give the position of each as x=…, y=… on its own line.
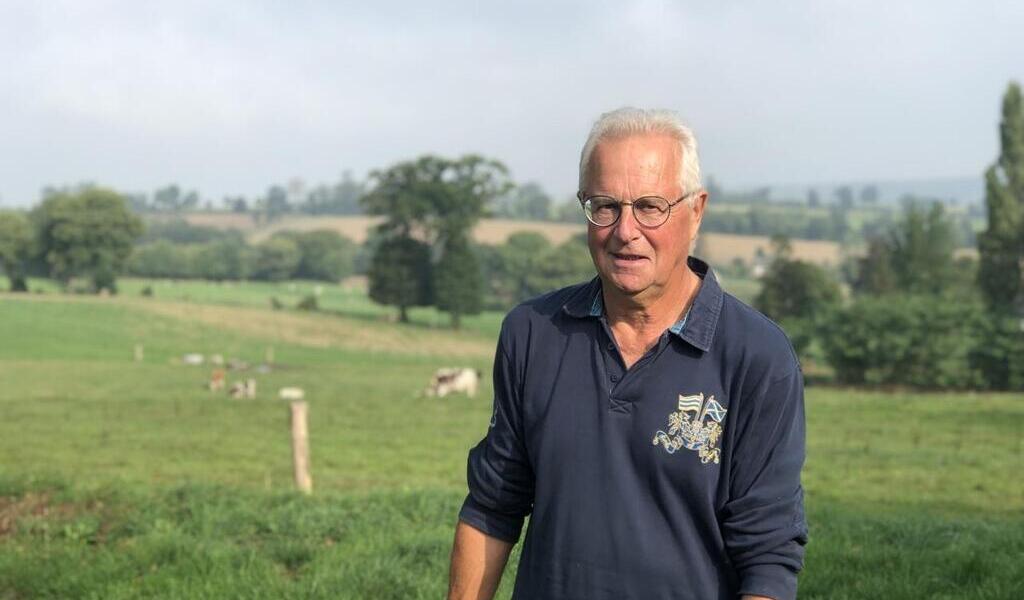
x=1001, y=246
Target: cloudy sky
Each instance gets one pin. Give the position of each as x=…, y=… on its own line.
x=228, y=97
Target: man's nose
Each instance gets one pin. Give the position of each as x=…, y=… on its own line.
x=627, y=228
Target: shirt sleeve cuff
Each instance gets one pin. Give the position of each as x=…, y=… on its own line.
x=772, y=581
x=497, y=525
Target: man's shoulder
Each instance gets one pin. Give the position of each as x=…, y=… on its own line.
x=546, y=306
x=748, y=333
x=543, y=311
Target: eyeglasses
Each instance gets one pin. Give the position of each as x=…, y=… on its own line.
x=649, y=211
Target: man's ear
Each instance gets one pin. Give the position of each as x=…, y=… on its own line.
x=700, y=201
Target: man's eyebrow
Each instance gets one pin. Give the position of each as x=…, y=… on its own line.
x=607, y=195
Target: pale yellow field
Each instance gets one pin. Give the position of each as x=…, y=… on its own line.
x=718, y=248
x=723, y=248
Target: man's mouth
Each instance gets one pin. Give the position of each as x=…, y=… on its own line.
x=627, y=257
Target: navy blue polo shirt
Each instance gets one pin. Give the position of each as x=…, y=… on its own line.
x=676, y=478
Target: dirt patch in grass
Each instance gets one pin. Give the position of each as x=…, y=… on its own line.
x=32, y=504
x=42, y=506
x=324, y=331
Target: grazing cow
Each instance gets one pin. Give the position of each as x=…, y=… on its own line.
x=192, y=359
x=453, y=380
x=216, y=380
x=291, y=393
x=243, y=389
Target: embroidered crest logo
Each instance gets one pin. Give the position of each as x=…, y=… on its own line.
x=697, y=425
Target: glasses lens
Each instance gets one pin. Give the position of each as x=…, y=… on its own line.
x=601, y=210
x=651, y=210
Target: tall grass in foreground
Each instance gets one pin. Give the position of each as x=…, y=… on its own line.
x=201, y=541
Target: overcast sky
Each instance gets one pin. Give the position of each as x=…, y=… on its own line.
x=228, y=97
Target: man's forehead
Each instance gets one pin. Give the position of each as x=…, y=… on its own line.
x=644, y=158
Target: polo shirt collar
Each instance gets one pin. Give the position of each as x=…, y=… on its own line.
x=697, y=327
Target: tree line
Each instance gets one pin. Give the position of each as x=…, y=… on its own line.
x=749, y=213
x=916, y=316
x=421, y=254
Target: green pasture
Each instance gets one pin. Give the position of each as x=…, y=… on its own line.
x=348, y=300
x=124, y=479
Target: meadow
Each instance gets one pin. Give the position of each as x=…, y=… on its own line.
x=125, y=479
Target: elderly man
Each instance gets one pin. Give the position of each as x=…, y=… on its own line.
x=651, y=424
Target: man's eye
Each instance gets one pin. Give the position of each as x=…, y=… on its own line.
x=648, y=207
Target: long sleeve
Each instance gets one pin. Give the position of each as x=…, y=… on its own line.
x=499, y=474
x=763, y=522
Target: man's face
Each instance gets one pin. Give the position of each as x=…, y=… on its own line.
x=635, y=260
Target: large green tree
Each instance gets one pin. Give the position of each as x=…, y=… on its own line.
x=1001, y=245
x=434, y=201
x=874, y=272
x=796, y=294
x=458, y=282
x=88, y=232
x=401, y=274
x=520, y=259
x=914, y=256
x=15, y=248
x=922, y=250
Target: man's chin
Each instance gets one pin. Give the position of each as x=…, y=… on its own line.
x=627, y=285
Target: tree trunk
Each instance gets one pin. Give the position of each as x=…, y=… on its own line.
x=403, y=314
x=456, y=320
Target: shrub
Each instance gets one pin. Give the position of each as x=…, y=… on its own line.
x=919, y=341
x=277, y=259
x=999, y=353
x=308, y=303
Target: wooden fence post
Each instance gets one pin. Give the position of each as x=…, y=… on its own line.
x=300, y=447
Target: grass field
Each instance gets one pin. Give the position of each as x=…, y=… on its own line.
x=129, y=480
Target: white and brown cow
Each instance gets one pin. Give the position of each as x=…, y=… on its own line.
x=454, y=380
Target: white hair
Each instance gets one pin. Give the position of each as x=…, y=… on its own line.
x=629, y=121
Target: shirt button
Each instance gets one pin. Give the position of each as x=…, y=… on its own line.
x=611, y=347
x=614, y=378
